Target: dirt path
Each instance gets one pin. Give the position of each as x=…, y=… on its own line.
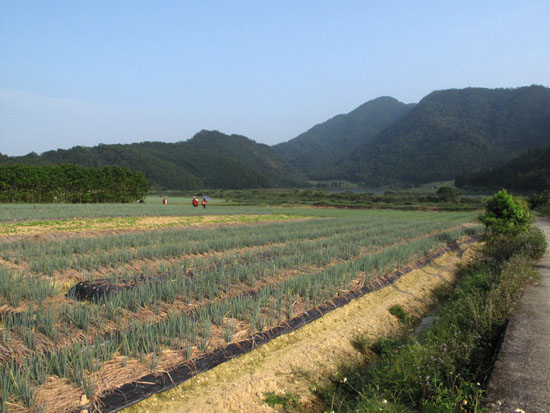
x=521, y=378
x=291, y=364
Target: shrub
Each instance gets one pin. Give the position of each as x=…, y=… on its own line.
x=541, y=202
x=506, y=214
x=501, y=247
x=537, y=200
x=447, y=194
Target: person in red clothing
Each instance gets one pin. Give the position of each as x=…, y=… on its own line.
x=203, y=203
x=164, y=201
x=195, y=201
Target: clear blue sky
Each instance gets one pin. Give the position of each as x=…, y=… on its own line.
x=98, y=71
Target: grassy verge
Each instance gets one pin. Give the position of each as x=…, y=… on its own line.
x=447, y=366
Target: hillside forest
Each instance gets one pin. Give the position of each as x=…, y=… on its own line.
x=455, y=133
x=70, y=184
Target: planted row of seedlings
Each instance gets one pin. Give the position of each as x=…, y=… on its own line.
x=16, y=287
x=221, y=275
x=214, y=314
x=92, y=253
x=293, y=253
x=222, y=235
x=197, y=278
x=268, y=307
x=33, y=212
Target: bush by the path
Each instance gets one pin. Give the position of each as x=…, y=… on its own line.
x=505, y=214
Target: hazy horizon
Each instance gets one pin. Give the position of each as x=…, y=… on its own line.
x=84, y=73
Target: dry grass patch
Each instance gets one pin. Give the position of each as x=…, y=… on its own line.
x=88, y=226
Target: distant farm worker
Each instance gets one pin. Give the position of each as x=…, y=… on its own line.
x=164, y=201
x=195, y=201
x=204, y=201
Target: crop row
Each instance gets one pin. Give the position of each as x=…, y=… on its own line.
x=311, y=251
x=221, y=277
x=15, y=287
x=192, y=331
x=218, y=273
x=93, y=253
x=300, y=265
x=18, y=212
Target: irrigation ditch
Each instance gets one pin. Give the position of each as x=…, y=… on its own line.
x=146, y=386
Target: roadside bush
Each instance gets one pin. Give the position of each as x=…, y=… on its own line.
x=506, y=214
x=541, y=202
x=530, y=243
x=539, y=199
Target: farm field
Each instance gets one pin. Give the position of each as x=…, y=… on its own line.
x=96, y=296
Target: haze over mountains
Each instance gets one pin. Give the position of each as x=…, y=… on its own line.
x=382, y=142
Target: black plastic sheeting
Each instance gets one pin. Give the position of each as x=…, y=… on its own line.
x=146, y=386
x=95, y=289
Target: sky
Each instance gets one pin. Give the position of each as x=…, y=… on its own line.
x=82, y=72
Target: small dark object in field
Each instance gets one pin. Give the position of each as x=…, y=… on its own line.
x=92, y=290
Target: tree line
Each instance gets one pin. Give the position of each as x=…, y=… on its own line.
x=70, y=184
x=526, y=173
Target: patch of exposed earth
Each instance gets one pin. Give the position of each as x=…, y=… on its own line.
x=294, y=363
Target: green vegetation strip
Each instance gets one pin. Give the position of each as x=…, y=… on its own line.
x=447, y=367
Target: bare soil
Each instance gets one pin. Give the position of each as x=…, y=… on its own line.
x=296, y=363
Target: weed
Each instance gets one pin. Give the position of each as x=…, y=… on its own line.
x=360, y=343
x=288, y=402
x=401, y=314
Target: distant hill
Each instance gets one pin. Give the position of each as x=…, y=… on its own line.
x=259, y=157
x=321, y=150
x=453, y=132
x=209, y=160
x=529, y=172
x=449, y=133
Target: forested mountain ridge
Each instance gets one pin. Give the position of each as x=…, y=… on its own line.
x=528, y=172
x=208, y=160
x=320, y=150
x=453, y=132
x=166, y=165
x=449, y=133
x=259, y=157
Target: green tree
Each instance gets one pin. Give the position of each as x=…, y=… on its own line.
x=506, y=214
x=447, y=194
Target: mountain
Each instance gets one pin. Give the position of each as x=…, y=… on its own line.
x=319, y=151
x=528, y=172
x=209, y=160
x=259, y=157
x=453, y=132
x=449, y=133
